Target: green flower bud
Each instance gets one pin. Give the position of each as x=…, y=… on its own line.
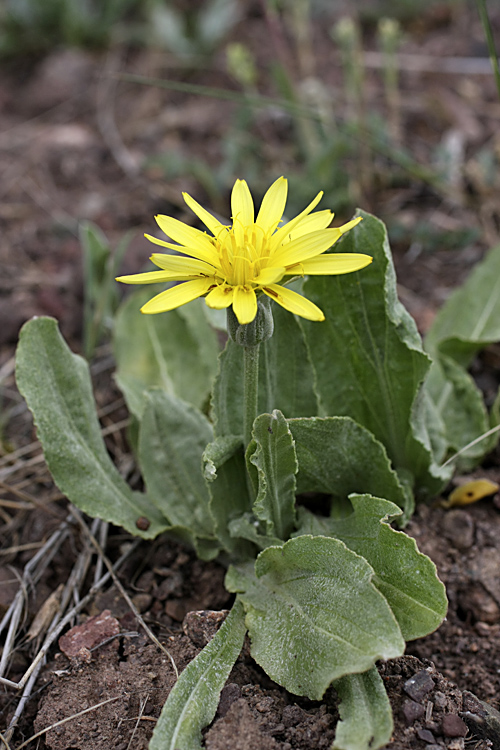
x=252, y=334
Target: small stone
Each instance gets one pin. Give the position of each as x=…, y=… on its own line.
x=82, y=639
x=425, y=735
x=440, y=699
x=458, y=527
x=200, y=627
x=419, y=685
x=453, y=726
x=412, y=711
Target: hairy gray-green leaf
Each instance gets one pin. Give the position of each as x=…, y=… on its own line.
x=173, y=436
x=365, y=712
x=224, y=472
x=314, y=614
x=470, y=318
x=248, y=527
x=285, y=377
x=176, y=351
x=276, y=463
x=338, y=456
x=407, y=578
x=460, y=405
x=193, y=701
x=367, y=354
x=57, y=387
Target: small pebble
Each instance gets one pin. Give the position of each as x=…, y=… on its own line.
x=453, y=726
x=419, y=685
x=440, y=699
x=412, y=711
x=425, y=735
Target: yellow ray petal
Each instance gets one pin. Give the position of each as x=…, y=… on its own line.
x=350, y=224
x=242, y=204
x=273, y=205
x=178, y=264
x=269, y=275
x=193, y=252
x=293, y=302
x=299, y=250
x=312, y=223
x=213, y=224
x=332, y=263
x=150, y=277
x=283, y=232
x=244, y=304
x=177, y=296
x=184, y=234
x=220, y=297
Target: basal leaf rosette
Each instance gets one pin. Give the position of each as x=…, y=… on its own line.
x=236, y=263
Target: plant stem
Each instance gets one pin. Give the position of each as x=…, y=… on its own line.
x=251, y=389
x=488, y=32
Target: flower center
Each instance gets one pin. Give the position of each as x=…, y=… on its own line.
x=243, y=252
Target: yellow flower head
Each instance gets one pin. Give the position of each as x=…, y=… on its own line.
x=234, y=263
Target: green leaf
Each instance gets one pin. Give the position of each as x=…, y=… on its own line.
x=176, y=351
x=313, y=614
x=470, y=318
x=224, y=472
x=276, y=463
x=286, y=377
x=173, y=436
x=468, y=321
x=365, y=712
x=193, y=701
x=57, y=387
x=460, y=405
x=407, y=578
x=367, y=354
x=338, y=456
x=249, y=528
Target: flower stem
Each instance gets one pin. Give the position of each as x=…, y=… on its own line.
x=251, y=389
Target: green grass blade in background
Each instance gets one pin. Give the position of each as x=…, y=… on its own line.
x=365, y=712
x=314, y=614
x=176, y=351
x=193, y=701
x=367, y=354
x=57, y=387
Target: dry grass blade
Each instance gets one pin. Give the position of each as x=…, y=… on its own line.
x=141, y=711
x=29, y=678
x=123, y=592
x=31, y=574
x=64, y=721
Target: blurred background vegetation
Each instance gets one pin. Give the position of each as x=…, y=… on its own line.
x=384, y=105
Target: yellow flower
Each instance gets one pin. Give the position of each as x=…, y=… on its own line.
x=235, y=263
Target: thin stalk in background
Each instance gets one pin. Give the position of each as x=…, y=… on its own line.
x=488, y=32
